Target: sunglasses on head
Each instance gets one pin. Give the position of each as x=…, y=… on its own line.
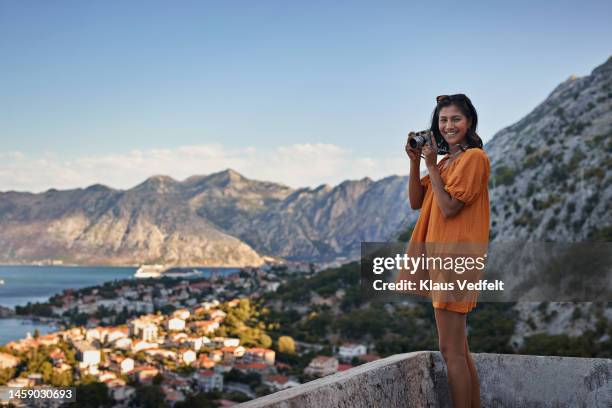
x=441, y=98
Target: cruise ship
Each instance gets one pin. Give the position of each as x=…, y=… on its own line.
x=162, y=271
x=150, y=271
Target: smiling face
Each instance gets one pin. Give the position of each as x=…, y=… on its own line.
x=453, y=125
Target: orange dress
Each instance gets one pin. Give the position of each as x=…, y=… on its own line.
x=466, y=179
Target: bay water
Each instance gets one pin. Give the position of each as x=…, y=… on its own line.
x=23, y=284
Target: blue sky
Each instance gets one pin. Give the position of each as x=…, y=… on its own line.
x=296, y=92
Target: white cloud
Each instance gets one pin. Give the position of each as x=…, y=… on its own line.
x=296, y=165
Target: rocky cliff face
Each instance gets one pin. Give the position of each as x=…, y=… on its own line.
x=551, y=171
x=220, y=219
x=551, y=181
x=151, y=223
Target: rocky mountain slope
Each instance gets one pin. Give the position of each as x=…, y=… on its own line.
x=150, y=223
x=551, y=171
x=551, y=180
x=220, y=219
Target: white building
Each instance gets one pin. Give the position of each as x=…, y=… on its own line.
x=210, y=305
x=143, y=345
x=176, y=324
x=123, y=365
x=87, y=354
x=348, y=351
x=195, y=343
x=188, y=357
x=123, y=343
x=208, y=380
x=143, y=328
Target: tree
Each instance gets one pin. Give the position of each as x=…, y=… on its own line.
x=6, y=374
x=63, y=379
x=286, y=344
x=196, y=401
x=92, y=395
x=150, y=396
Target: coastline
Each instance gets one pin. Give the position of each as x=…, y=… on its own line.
x=111, y=265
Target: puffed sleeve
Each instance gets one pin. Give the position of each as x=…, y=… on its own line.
x=469, y=177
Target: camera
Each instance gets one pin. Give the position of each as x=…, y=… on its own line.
x=417, y=140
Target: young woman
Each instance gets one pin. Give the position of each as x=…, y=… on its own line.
x=454, y=203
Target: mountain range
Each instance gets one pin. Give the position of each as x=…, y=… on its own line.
x=550, y=180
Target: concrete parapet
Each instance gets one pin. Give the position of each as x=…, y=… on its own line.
x=419, y=380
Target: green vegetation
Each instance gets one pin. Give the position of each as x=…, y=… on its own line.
x=491, y=327
x=595, y=172
x=558, y=174
x=575, y=128
x=526, y=219
x=150, y=396
x=200, y=400
x=286, y=345
x=6, y=374
x=603, y=234
x=92, y=394
x=543, y=344
x=551, y=224
x=576, y=160
x=253, y=380
x=244, y=321
x=504, y=175
x=35, y=309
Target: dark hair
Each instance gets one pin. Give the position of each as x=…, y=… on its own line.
x=465, y=106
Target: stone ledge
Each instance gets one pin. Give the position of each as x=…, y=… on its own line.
x=419, y=379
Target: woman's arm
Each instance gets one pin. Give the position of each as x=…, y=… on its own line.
x=416, y=191
x=448, y=204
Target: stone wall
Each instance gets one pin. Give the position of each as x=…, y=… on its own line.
x=419, y=380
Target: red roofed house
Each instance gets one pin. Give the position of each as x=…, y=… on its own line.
x=205, y=362
x=145, y=374
x=231, y=353
x=8, y=361
x=259, y=355
x=279, y=382
x=321, y=366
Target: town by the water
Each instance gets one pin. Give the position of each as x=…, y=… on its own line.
x=173, y=341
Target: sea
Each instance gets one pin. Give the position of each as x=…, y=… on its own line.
x=23, y=284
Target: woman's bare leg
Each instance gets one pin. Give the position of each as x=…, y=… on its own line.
x=452, y=342
x=475, y=395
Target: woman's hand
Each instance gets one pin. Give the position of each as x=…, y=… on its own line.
x=413, y=154
x=430, y=151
